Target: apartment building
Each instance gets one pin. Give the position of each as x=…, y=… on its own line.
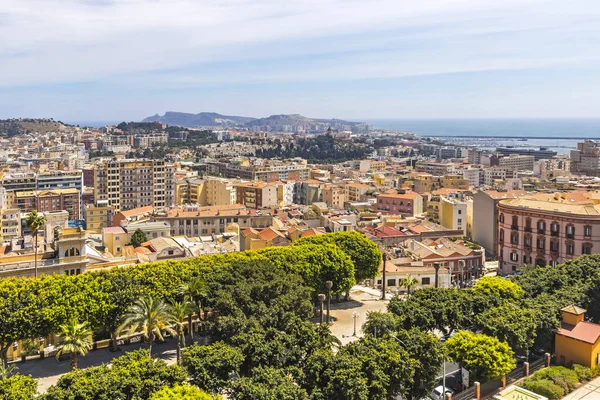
x=434, y=168
x=60, y=180
x=494, y=174
x=372, y=165
x=546, y=229
x=334, y=196
x=473, y=175
x=98, y=216
x=196, y=221
x=586, y=159
x=429, y=183
x=50, y=200
x=259, y=169
x=19, y=181
x=517, y=162
x=453, y=210
x=485, y=217
x=405, y=202
x=474, y=155
x=10, y=220
x=128, y=184
x=256, y=194
x=308, y=192
x=355, y=191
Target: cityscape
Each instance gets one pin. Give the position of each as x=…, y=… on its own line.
x=302, y=200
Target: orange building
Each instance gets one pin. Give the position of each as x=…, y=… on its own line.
x=577, y=341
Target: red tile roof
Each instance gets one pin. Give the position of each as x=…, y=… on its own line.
x=584, y=331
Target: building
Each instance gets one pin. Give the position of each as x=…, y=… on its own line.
x=429, y=183
x=20, y=181
x=60, y=180
x=211, y=191
x=355, y=191
x=372, y=165
x=334, y=196
x=434, y=168
x=50, y=200
x=10, y=223
x=406, y=203
x=485, y=217
x=473, y=175
x=453, y=212
x=98, y=216
x=196, y=221
x=546, y=229
x=494, y=174
x=128, y=184
x=586, y=159
x=540, y=154
x=474, y=155
x=308, y=192
x=517, y=162
x=124, y=218
x=398, y=269
x=261, y=170
x=577, y=341
x=256, y=194
x=254, y=239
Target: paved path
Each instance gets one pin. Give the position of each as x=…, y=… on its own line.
x=364, y=299
x=49, y=370
x=589, y=391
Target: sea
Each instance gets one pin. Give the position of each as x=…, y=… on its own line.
x=561, y=135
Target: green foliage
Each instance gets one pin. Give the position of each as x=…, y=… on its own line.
x=498, y=288
x=510, y=323
x=138, y=237
x=544, y=387
x=18, y=387
x=322, y=148
x=364, y=253
x=484, y=356
x=75, y=340
x=584, y=374
x=132, y=376
x=182, y=392
x=562, y=376
x=210, y=367
x=267, y=384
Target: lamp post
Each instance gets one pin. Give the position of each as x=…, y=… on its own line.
x=436, y=266
x=355, y=316
x=321, y=300
x=328, y=286
x=383, y=277
x=461, y=267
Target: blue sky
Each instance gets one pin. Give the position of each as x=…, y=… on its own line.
x=87, y=60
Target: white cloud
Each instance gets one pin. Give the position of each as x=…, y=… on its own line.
x=53, y=41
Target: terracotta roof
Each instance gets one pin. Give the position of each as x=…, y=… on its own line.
x=574, y=310
x=113, y=229
x=137, y=211
x=584, y=331
x=269, y=234
x=409, y=195
x=312, y=232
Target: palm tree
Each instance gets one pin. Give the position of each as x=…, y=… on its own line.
x=178, y=314
x=409, y=282
x=194, y=291
x=147, y=315
x=76, y=340
x=35, y=222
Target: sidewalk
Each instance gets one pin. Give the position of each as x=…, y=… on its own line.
x=49, y=370
x=589, y=391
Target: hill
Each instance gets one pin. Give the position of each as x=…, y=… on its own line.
x=189, y=120
x=17, y=126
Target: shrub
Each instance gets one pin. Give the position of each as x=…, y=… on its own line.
x=562, y=376
x=544, y=387
x=583, y=373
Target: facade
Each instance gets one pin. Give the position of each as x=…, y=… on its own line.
x=517, y=162
x=473, y=175
x=18, y=182
x=60, y=180
x=256, y=194
x=50, y=200
x=98, y=216
x=485, y=217
x=254, y=239
x=355, y=191
x=474, y=155
x=334, y=196
x=493, y=174
x=196, y=221
x=546, y=229
x=453, y=212
x=406, y=204
x=401, y=268
x=10, y=223
x=434, y=168
x=128, y=184
x=586, y=159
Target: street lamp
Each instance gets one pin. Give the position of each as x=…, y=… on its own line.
x=436, y=266
x=383, y=277
x=355, y=316
x=328, y=286
x=321, y=300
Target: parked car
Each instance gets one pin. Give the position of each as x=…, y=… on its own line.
x=438, y=393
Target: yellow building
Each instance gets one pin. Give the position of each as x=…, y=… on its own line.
x=115, y=238
x=10, y=224
x=433, y=208
x=98, y=216
x=577, y=341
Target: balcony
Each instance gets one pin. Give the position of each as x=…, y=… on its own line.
x=555, y=233
x=514, y=227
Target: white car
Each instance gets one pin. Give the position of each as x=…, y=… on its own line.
x=437, y=393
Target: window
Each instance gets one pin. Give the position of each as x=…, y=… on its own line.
x=514, y=257
x=459, y=212
x=554, y=246
x=460, y=221
x=541, y=227
x=502, y=218
x=541, y=243
x=514, y=238
x=425, y=281
x=502, y=235
x=570, y=232
x=554, y=229
x=587, y=231
x=391, y=282
x=515, y=222
x=527, y=241
x=586, y=248
x=570, y=249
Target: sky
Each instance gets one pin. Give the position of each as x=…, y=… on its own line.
x=112, y=60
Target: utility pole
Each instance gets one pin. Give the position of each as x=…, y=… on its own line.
x=383, y=280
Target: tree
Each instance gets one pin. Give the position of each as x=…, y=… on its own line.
x=498, y=289
x=132, y=376
x=408, y=282
x=182, y=392
x=511, y=323
x=150, y=316
x=267, y=384
x=364, y=253
x=485, y=357
x=210, y=367
x=177, y=314
x=138, y=237
x=195, y=292
x=18, y=387
x=76, y=339
x=35, y=222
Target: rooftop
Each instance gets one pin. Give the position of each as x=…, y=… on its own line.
x=584, y=331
